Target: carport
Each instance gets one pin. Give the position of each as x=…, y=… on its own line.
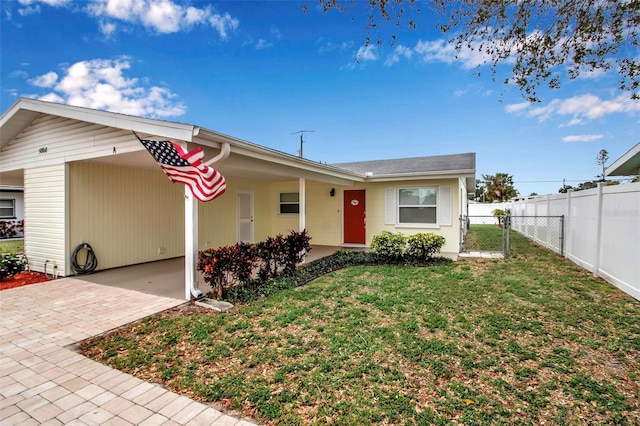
x=166, y=277
x=87, y=179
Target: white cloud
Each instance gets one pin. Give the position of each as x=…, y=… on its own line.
x=582, y=138
x=580, y=108
x=223, y=23
x=101, y=84
x=330, y=46
x=45, y=80
x=398, y=53
x=512, y=108
x=54, y=3
x=443, y=51
x=162, y=16
x=108, y=29
x=367, y=53
x=263, y=44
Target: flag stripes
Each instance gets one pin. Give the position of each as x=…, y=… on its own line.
x=186, y=167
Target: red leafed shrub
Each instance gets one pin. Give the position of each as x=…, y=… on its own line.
x=279, y=255
x=227, y=266
x=234, y=266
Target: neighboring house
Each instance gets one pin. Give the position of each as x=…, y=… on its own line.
x=627, y=165
x=11, y=208
x=87, y=179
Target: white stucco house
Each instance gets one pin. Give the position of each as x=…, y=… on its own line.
x=87, y=179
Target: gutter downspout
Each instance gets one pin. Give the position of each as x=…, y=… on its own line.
x=191, y=232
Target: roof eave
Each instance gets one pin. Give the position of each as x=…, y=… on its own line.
x=446, y=174
x=241, y=147
x=627, y=165
x=31, y=108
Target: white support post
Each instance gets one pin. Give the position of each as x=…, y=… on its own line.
x=190, y=244
x=302, y=216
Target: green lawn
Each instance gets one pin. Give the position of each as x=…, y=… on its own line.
x=528, y=340
x=484, y=237
x=13, y=246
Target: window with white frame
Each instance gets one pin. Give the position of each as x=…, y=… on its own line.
x=289, y=203
x=7, y=208
x=417, y=205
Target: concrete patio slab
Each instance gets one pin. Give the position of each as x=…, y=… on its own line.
x=166, y=277
x=42, y=381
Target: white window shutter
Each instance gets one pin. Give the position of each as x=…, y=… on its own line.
x=390, y=206
x=444, y=205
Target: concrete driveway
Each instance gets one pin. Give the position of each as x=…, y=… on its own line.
x=44, y=382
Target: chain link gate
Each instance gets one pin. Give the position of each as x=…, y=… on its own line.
x=486, y=235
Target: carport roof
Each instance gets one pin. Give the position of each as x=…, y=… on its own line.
x=24, y=111
x=627, y=165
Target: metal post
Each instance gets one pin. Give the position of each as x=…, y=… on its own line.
x=507, y=220
x=562, y=235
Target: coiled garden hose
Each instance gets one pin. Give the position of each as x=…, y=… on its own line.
x=91, y=261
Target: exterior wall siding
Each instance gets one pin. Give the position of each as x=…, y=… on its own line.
x=46, y=210
x=218, y=219
x=127, y=215
x=324, y=213
x=55, y=140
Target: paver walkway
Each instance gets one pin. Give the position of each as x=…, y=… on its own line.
x=42, y=382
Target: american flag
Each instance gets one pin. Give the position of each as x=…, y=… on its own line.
x=185, y=167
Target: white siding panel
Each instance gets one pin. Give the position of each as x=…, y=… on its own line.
x=45, y=217
x=65, y=140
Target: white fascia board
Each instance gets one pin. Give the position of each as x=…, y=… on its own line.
x=620, y=166
x=164, y=129
x=449, y=174
x=307, y=168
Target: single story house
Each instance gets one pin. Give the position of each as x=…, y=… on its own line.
x=11, y=209
x=87, y=179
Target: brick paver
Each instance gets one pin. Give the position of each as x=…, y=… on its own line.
x=42, y=381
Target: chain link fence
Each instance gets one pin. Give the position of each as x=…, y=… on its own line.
x=547, y=231
x=493, y=233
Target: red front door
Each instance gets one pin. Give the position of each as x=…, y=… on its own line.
x=354, y=216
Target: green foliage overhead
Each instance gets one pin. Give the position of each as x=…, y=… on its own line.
x=544, y=41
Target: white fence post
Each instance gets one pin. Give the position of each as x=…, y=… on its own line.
x=567, y=225
x=596, y=263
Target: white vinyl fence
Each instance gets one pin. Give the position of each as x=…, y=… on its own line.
x=601, y=230
x=479, y=213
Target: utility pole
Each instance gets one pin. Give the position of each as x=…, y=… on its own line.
x=302, y=132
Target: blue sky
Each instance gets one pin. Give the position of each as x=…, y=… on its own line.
x=262, y=70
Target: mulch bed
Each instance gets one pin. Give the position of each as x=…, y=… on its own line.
x=23, y=278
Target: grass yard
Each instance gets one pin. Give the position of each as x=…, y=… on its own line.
x=484, y=237
x=13, y=246
x=531, y=339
